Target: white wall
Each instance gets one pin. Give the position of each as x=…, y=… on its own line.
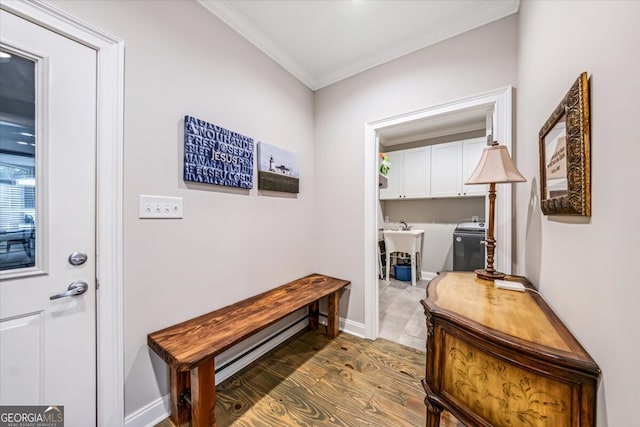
x=450, y=210
x=180, y=60
x=586, y=267
x=476, y=62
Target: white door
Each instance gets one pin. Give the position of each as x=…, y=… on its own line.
x=47, y=173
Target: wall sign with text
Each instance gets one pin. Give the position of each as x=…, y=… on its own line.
x=215, y=155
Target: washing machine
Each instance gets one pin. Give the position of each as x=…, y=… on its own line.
x=468, y=246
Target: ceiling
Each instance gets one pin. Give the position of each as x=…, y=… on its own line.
x=321, y=42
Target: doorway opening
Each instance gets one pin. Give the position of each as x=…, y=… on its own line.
x=499, y=123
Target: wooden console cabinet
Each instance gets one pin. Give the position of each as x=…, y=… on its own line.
x=503, y=358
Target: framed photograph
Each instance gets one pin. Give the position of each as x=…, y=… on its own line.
x=565, y=155
x=278, y=169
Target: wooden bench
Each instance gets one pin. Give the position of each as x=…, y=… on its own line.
x=189, y=347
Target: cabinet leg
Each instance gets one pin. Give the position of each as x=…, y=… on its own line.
x=433, y=418
x=433, y=414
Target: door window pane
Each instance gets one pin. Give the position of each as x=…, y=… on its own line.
x=17, y=162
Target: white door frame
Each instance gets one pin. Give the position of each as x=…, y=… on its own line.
x=109, y=136
x=501, y=102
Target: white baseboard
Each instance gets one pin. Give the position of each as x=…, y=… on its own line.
x=348, y=326
x=150, y=414
x=424, y=275
x=427, y=275
x=158, y=410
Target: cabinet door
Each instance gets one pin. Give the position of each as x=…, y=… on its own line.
x=471, y=153
x=416, y=172
x=394, y=186
x=446, y=169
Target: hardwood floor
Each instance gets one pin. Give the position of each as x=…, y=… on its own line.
x=314, y=381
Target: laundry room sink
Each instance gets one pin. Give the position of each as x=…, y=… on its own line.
x=401, y=242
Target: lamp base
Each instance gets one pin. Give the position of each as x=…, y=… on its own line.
x=489, y=275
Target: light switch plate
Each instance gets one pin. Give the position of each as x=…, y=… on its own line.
x=160, y=207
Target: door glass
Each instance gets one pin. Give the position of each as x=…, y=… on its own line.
x=17, y=162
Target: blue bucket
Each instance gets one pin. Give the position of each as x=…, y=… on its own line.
x=403, y=272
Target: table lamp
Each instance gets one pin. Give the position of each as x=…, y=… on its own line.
x=495, y=167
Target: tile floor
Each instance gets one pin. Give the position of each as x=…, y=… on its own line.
x=402, y=317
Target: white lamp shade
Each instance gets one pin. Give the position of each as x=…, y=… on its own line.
x=495, y=166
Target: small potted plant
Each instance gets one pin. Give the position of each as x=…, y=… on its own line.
x=384, y=163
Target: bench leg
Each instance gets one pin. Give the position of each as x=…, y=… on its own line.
x=203, y=395
x=314, y=315
x=333, y=312
x=180, y=411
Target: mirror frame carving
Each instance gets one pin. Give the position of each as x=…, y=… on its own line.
x=573, y=112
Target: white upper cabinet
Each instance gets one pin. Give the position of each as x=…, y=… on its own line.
x=471, y=153
x=452, y=164
x=446, y=169
x=438, y=170
x=409, y=175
